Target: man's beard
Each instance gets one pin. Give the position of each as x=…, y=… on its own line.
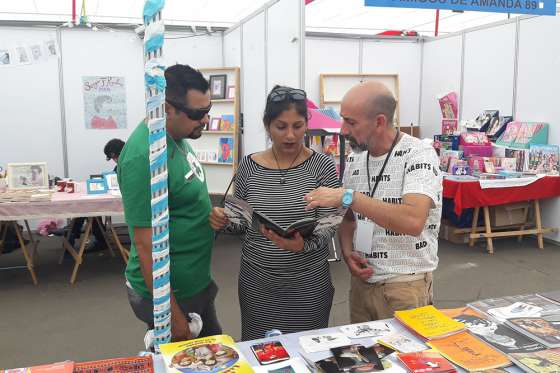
x=196, y=132
x=355, y=146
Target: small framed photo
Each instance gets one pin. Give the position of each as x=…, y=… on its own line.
x=111, y=180
x=202, y=155
x=96, y=186
x=218, y=86
x=231, y=91
x=212, y=156
x=215, y=123
x=28, y=175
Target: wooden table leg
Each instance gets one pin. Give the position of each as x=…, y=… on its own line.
x=490, y=245
x=28, y=258
x=104, y=233
x=525, y=218
x=124, y=252
x=82, y=249
x=474, y=225
x=538, y=222
x=34, y=242
x=65, y=242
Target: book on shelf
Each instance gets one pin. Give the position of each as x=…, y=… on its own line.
x=543, y=159
x=526, y=305
x=543, y=329
x=215, y=354
x=426, y=362
x=240, y=212
x=225, y=151
x=469, y=352
x=227, y=122
x=546, y=361
x=496, y=334
x=429, y=323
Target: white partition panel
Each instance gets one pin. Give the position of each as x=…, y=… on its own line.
x=401, y=58
x=88, y=53
x=283, y=44
x=197, y=51
x=327, y=56
x=253, y=84
x=232, y=48
x=30, y=105
x=488, y=70
x=441, y=73
x=537, y=86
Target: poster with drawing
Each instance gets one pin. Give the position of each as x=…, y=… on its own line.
x=104, y=102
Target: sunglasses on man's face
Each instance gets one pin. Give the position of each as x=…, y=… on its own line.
x=192, y=114
x=282, y=94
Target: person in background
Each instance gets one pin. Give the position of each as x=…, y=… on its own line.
x=284, y=283
x=393, y=187
x=190, y=236
x=98, y=242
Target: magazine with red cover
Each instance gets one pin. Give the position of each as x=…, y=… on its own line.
x=426, y=362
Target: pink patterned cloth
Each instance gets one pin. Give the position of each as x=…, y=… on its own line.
x=63, y=205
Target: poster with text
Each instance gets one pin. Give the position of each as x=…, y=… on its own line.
x=104, y=102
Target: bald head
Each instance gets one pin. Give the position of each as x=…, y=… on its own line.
x=372, y=99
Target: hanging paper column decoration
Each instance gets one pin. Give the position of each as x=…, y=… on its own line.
x=155, y=109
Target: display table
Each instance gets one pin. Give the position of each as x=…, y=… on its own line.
x=291, y=343
x=64, y=205
x=469, y=194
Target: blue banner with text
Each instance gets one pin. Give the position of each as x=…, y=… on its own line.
x=538, y=7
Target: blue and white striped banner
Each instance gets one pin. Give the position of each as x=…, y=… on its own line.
x=155, y=110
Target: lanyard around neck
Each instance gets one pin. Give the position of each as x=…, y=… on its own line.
x=382, y=168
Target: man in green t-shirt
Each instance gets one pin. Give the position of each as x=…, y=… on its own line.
x=190, y=235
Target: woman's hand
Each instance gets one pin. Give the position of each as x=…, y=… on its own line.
x=294, y=244
x=218, y=220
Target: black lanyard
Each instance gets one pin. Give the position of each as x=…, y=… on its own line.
x=382, y=168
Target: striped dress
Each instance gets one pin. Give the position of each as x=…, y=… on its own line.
x=279, y=289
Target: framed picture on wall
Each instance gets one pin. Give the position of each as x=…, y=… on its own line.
x=28, y=175
x=215, y=123
x=231, y=91
x=218, y=86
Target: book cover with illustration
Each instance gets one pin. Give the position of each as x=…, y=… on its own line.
x=510, y=133
x=448, y=105
x=402, y=343
x=469, y=352
x=426, y=362
x=429, y=322
x=543, y=159
x=492, y=332
x=227, y=122
x=543, y=329
x=547, y=361
x=214, y=354
x=225, y=151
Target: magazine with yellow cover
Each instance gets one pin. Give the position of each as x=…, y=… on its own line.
x=214, y=354
x=429, y=322
x=469, y=352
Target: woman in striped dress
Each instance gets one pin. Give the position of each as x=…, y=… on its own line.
x=284, y=284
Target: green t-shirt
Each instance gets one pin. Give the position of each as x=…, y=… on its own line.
x=190, y=234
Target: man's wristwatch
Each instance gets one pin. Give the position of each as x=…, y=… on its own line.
x=347, y=198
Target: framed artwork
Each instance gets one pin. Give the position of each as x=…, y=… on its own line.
x=28, y=175
x=218, y=86
x=215, y=123
x=231, y=91
x=96, y=186
x=226, y=150
x=111, y=180
x=212, y=156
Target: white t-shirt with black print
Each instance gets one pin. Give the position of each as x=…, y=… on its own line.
x=413, y=167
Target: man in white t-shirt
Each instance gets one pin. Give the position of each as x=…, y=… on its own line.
x=392, y=187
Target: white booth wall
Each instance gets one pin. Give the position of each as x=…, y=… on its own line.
x=359, y=56
x=487, y=71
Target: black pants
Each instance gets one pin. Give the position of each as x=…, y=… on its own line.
x=201, y=303
x=96, y=230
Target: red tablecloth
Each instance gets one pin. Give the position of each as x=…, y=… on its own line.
x=469, y=194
